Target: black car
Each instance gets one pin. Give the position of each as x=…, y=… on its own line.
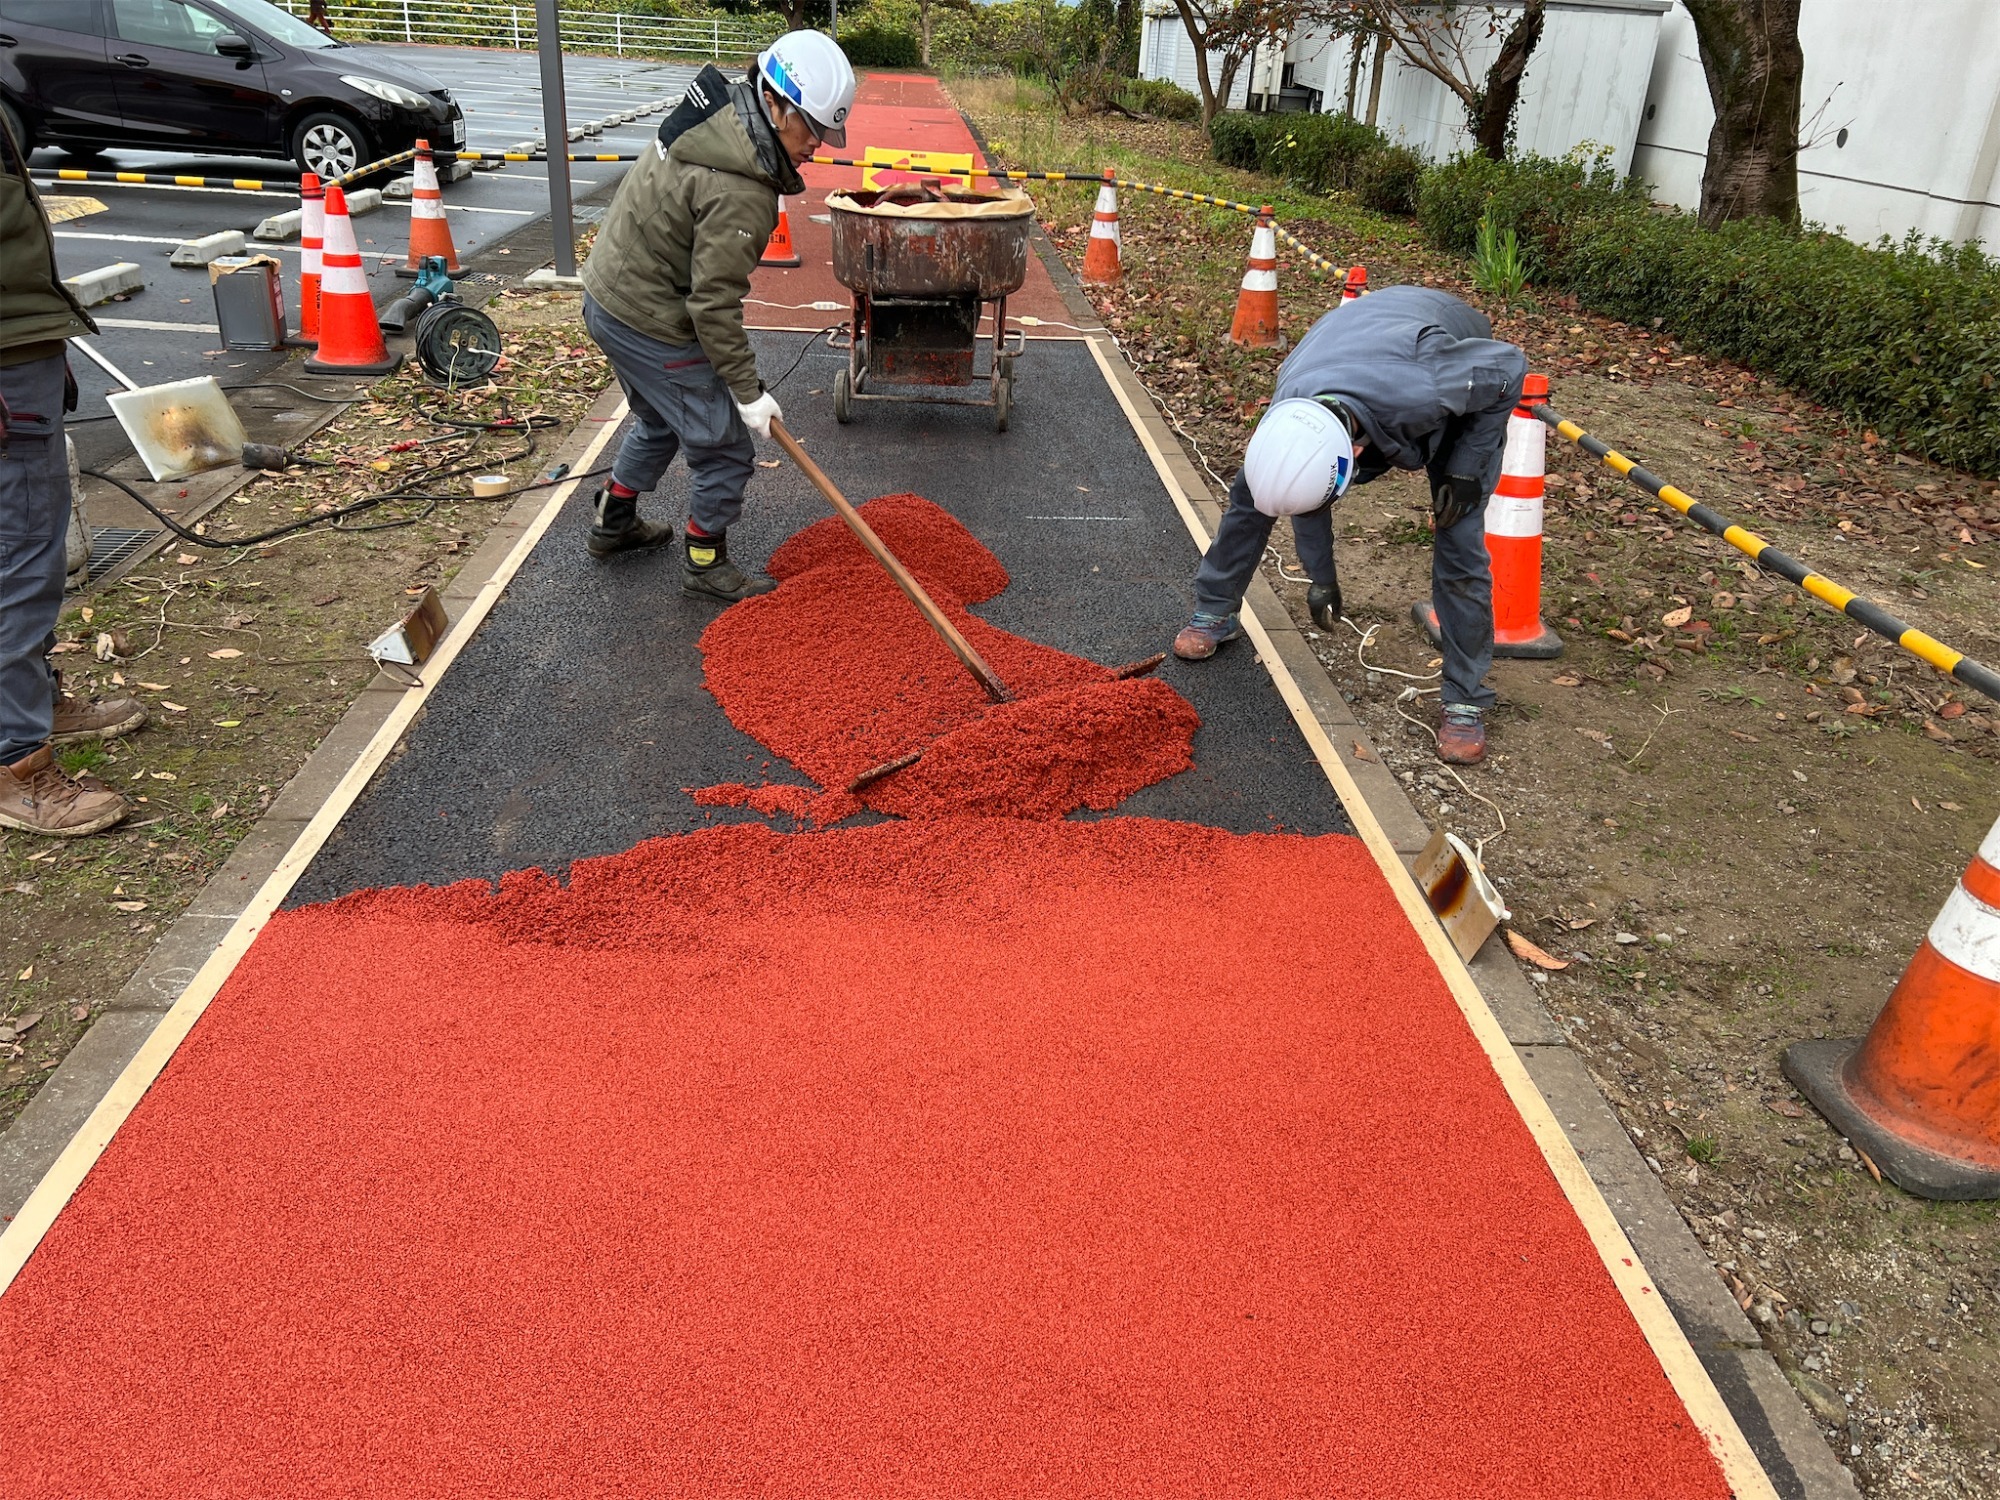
x=235, y=76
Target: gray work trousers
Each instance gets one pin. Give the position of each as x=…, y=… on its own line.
x=1461, y=581
x=678, y=404
x=34, y=518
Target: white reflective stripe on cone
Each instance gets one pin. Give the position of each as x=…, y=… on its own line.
x=1967, y=932
x=1263, y=244
x=1107, y=200
x=1260, y=281
x=1527, y=451
x=1989, y=851
x=340, y=280
x=1514, y=515
x=1101, y=230
x=422, y=207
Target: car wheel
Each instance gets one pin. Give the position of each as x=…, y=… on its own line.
x=17, y=127
x=328, y=145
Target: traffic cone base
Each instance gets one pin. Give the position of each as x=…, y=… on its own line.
x=430, y=232
x=1920, y=1093
x=779, y=250
x=350, y=340
x=1255, y=325
x=1101, y=264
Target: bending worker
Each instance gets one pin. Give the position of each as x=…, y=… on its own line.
x=1406, y=378
x=664, y=289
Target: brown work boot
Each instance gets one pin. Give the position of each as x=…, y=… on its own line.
x=93, y=718
x=1461, y=735
x=37, y=796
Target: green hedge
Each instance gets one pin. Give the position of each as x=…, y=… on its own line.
x=1537, y=197
x=1902, y=337
x=1390, y=180
x=879, y=47
x=1158, y=97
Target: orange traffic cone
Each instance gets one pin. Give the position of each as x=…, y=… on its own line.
x=1920, y=1093
x=1255, y=325
x=429, y=233
x=312, y=231
x=1100, y=258
x=1514, y=537
x=780, y=251
x=350, y=340
x=1357, y=285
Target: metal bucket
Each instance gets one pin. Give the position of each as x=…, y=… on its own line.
x=915, y=255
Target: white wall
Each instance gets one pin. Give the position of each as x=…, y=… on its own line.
x=1166, y=52
x=1917, y=89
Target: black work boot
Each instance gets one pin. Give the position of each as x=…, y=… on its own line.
x=1323, y=603
x=617, y=527
x=709, y=574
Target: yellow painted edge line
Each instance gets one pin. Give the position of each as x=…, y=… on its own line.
x=1683, y=1369
x=66, y=1174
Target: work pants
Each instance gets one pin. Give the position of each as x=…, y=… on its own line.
x=679, y=404
x=34, y=519
x=1461, y=581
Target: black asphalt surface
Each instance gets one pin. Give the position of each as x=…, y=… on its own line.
x=572, y=722
x=500, y=93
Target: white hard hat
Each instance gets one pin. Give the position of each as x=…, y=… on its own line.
x=1300, y=457
x=808, y=69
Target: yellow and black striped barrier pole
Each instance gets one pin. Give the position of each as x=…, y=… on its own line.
x=164, y=179
x=522, y=156
x=1955, y=663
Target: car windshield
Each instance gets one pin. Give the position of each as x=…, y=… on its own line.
x=279, y=25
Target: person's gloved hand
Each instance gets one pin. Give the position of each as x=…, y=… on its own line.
x=757, y=415
x=1454, y=500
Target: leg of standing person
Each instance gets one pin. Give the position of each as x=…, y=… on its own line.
x=721, y=458
x=1462, y=594
x=1225, y=573
x=649, y=446
x=1312, y=535
x=35, y=794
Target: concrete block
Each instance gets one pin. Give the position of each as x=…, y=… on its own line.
x=546, y=279
x=363, y=201
x=279, y=227
x=99, y=286
x=399, y=189
x=198, y=253
x=458, y=171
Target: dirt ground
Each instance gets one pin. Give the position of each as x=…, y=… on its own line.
x=1733, y=829
x=244, y=658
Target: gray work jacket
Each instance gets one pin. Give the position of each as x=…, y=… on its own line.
x=1424, y=376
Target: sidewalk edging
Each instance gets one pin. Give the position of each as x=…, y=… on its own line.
x=50, y=1146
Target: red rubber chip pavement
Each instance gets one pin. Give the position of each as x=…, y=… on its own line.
x=969, y=1157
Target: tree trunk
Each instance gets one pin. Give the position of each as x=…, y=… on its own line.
x=1755, y=67
x=924, y=29
x=1203, y=85
x=1375, y=77
x=1127, y=22
x=1354, y=72
x=1502, y=93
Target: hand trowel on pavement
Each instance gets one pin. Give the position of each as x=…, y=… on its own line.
x=184, y=427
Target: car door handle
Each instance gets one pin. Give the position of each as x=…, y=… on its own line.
x=134, y=60
x=7, y=41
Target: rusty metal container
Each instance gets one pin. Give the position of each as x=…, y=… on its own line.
x=931, y=249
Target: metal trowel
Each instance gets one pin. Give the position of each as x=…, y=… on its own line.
x=184, y=427
x=1455, y=884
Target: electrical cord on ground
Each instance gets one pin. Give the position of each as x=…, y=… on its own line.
x=824, y=333
x=1361, y=655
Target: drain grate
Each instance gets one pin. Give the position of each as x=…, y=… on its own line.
x=113, y=546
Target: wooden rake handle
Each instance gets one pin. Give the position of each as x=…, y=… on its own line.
x=960, y=646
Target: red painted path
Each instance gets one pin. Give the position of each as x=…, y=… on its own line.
x=889, y=110
x=961, y=1158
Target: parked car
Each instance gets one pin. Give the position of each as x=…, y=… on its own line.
x=241, y=77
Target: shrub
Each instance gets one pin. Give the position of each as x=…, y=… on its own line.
x=1388, y=180
x=879, y=47
x=1496, y=263
x=1900, y=336
x=1320, y=153
x=1537, y=197
x=1156, y=96
x=1236, y=139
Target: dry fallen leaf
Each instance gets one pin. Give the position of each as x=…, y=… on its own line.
x=1869, y=1162
x=79, y=1012
x=179, y=708
x=1673, y=619
x=1786, y=1108
x=1577, y=924
x=153, y=687
x=24, y=1024
x=130, y=905
x=227, y=653
x=1951, y=807
x=767, y=463
x=184, y=559
x=1566, y=681
x=1951, y=710
x=27, y=973
x=1531, y=953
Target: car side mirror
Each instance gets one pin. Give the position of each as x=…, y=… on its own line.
x=229, y=44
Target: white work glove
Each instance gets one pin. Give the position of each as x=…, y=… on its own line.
x=758, y=414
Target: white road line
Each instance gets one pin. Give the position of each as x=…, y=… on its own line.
x=146, y=239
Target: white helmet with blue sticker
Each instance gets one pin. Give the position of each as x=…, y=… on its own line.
x=808, y=70
x=1300, y=458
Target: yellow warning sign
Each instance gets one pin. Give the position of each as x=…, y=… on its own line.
x=888, y=165
x=62, y=210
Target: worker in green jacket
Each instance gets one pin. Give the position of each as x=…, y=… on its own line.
x=37, y=318
x=664, y=289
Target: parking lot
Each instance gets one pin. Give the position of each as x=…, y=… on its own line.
x=167, y=331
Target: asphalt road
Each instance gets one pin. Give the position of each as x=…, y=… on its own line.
x=167, y=331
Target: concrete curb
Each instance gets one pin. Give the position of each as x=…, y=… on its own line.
x=30, y=1146
x=279, y=226
x=194, y=254
x=1773, y=1419
x=94, y=288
